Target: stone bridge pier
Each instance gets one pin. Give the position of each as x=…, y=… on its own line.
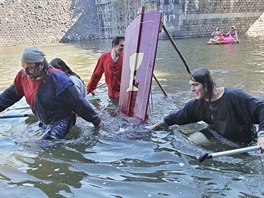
x=27, y=22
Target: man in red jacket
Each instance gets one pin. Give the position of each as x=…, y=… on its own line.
x=51, y=95
x=109, y=63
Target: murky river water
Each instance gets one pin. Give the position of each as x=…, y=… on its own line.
x=91, y=163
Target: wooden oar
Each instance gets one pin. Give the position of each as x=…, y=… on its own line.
x=157, y=81
x=176, y=48
x=16, y=116
x=230, y=152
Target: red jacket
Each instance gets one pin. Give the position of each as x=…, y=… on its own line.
x=112, y=73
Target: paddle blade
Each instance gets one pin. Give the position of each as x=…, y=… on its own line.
x=204, y=157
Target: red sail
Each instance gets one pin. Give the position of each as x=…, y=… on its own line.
x=138, y=64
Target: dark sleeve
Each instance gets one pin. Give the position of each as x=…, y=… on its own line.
x=78, y=104
x=250, y=108
x=8, y=98
x=261, y=117
x=188, y=114
x=254, y=110
x=257, y=112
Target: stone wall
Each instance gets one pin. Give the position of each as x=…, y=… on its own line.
x=34, y=22
x=87, y=26
x=198, y=18
x=31, y=22
x=257, y=29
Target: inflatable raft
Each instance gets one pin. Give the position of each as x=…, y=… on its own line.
x=225, y=41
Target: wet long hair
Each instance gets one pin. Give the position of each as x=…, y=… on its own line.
x=60, y=64
x=203, y=76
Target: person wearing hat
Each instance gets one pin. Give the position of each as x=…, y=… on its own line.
x=233, y=33
x=230, y=113
x=51, y=95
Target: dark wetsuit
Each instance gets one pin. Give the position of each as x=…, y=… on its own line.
x=232, y=116
x=52, y=100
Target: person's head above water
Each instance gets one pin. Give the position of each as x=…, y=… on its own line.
x=34, y=63
x=202, y=83
x=60, y=64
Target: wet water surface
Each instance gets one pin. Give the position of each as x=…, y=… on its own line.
x=116, y=161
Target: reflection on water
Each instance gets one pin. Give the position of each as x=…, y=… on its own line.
x=113, y=163
x=82, y=61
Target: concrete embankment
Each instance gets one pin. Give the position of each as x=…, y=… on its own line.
x=27, y=22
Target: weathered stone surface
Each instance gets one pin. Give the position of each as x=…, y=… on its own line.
x=257, y=28
x=27, y=22
x=198, y=18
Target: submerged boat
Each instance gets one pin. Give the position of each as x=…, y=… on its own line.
x=225, y=41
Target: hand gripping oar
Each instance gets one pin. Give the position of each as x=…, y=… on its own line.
x=230, y=152
x=16, y=116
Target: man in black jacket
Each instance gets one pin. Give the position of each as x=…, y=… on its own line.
x=230, y=112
